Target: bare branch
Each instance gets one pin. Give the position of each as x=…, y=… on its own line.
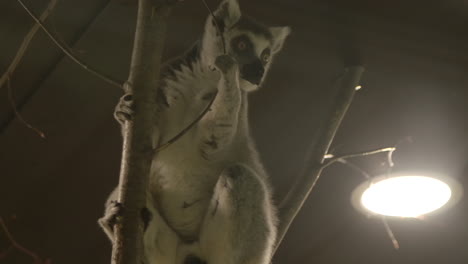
x=356, y=168
x=314, y=163
x=390, y=234
x=16, y=61
x=18, y=246
x=18, y=115
x=334, y=159
x=343, y=159
x=24, y=45
x=68, y=53
x=140, y=132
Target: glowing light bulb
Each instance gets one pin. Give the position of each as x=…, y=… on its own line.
x=403, y=196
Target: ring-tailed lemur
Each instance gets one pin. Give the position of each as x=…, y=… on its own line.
x=209, y=194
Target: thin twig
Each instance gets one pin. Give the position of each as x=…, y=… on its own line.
x=355, y=167
x=68, y=53
x=16, y=245
x=18, y=115
x=185, y=130
x=390, y=234
x=24, y=45
x=59, y=37
x=390, y=158
x=344, y=160
x=17, y=59
x=334, y=159
x=389, y=231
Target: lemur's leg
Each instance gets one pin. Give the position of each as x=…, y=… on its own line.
x=239, y=226
x=219, y=125
x=113, y=210
x=160, y=241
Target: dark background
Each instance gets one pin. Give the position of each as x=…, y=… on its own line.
x=414, y=87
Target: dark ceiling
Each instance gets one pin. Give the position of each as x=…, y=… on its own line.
x=415, y=87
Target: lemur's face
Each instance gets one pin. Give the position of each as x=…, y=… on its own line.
x=252, y=52
x=251, y=44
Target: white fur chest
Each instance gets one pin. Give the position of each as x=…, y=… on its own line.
x=183, y=186
x=181, y=179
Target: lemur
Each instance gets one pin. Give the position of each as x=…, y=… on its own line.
x=208, y=193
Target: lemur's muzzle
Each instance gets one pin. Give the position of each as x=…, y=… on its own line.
x=252, y=72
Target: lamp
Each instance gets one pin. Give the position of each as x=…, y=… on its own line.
x=405, y=195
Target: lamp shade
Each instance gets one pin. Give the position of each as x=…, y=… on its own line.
x=409, y=195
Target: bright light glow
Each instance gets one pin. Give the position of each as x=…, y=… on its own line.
x=406, y=196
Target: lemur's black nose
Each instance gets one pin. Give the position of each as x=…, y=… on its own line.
x=253, y=72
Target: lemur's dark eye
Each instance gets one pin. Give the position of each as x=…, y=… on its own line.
x=241, y=45
x=265, y=57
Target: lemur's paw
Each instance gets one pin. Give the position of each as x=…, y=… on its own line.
x=225, y=63
x=124, y=109
x=113, y=212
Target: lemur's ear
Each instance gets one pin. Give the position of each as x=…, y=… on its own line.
x=227, y=14
x=279, y=35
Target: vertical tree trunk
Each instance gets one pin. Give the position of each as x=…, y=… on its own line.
x=138, y=143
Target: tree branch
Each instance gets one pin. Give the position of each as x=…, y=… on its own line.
x=310, y=174
x=17, y=113
x=67, y=52
x=18, y=246
x=140, y=132
x=391, y=235
x=343, y=159
x=334, y=159
x=24, y=45
x=356, y=168
x=16, y=61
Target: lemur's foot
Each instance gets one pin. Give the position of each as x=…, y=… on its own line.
x=124, y=109
x=225, y=63
x=114, y=212
x=108, y=221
